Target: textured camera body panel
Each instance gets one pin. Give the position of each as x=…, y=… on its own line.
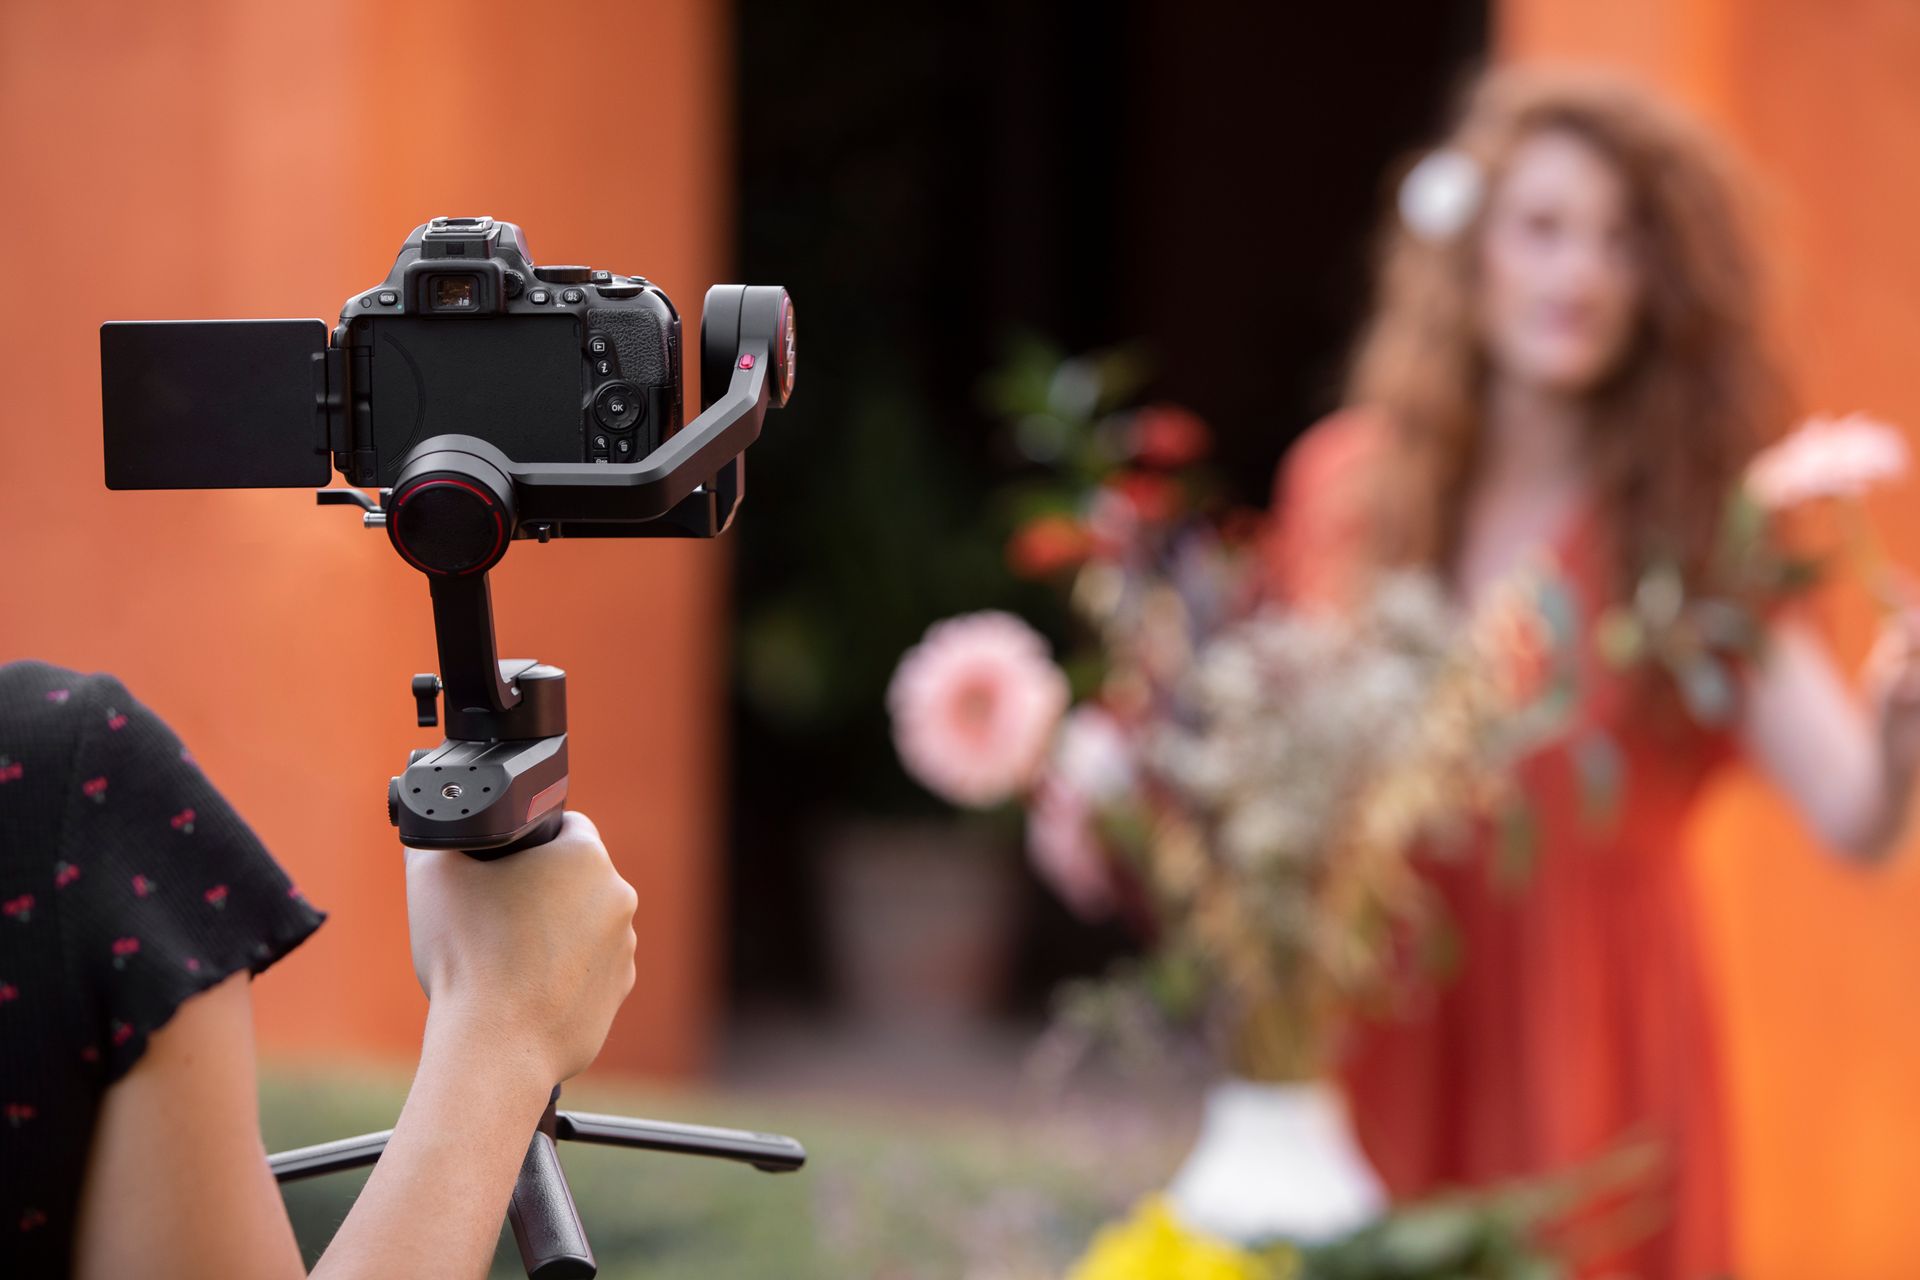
x=467, y=335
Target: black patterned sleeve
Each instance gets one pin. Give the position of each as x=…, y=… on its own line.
x=164, y=890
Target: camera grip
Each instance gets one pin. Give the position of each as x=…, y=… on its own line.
x=542, y=831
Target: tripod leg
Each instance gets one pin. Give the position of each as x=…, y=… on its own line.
x=546, y=1226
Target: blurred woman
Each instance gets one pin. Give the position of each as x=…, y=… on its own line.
x=1565, y=361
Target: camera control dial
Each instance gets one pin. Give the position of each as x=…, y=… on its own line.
x=618, y=407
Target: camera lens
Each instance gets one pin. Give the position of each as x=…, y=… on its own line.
x=455, y=293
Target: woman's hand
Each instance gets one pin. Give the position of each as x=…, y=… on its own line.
x=534, y=951
x=1892, y=680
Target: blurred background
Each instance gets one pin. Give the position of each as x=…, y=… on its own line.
x=824, y=948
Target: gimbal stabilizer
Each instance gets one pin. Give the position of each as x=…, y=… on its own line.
x=498, y=783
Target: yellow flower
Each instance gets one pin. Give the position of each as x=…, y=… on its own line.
x=1153, y=1245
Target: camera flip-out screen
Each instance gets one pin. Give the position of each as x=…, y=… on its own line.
x=211, y=404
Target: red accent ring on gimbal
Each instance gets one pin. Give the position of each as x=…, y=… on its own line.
x=493, y=507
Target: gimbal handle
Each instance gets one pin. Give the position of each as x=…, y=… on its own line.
x=498, y=783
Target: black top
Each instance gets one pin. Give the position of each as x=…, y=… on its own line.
x=127, y=884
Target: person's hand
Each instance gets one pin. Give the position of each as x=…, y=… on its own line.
x=533, y=951
x=1893, y=691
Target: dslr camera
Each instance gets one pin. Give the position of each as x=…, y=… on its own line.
x=563, y=379
x=488, y=399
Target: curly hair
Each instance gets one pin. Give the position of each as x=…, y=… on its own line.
x=1689, y=400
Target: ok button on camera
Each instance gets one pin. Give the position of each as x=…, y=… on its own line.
x=618, y=407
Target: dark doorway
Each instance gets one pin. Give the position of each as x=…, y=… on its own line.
x=926, y=178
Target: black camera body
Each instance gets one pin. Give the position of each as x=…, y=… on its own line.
x=467, y=335
x=558, y=386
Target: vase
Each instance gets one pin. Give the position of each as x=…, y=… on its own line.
x=1276, y=1162
x=922, y=919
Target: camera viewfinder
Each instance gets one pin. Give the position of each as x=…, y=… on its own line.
x=455, y=293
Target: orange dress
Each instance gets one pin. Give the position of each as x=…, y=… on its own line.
x=1579, y=1016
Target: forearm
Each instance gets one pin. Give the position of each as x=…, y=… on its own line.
x=439, y=1193
x=1883, y=821
x=1810, y=733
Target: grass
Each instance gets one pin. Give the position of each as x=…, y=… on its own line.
x=889, y=1192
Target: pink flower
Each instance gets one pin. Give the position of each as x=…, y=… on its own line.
x=183, y=821
x=8, y=992
x=1827, y=458
x=143, y=886
x=96, y=788
x=122, y=1032
x=216, y=896
x=1066, y=851
x=11, y=770
x=64, y=874
x=974, y=706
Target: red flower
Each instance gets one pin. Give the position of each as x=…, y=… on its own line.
x=122, y=948
x=18, y=1113
x=10, y=770
x=1152, y=498
x=216, y=895
x=116, y=720
x=183, y=821
x=90, y=1054
x=1046, y=545
x=143, y=886
x=1167, y=436
x=122, y=1032
x=64, y=874
x=8, y=992
x=33, y=1217
x=20, y=908
x=95, y=787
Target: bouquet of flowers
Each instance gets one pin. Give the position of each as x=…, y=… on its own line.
x=1243, y=780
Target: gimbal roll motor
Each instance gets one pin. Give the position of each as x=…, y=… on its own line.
x=489, y=400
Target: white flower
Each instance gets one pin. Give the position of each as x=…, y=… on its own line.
x=974, y=707
x=1440, y=195
x=1093, y=755
x=1827, y=458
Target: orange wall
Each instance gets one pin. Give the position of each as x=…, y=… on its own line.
x=1820, y=964
x=253, y=158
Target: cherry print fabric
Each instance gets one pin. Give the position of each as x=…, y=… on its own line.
x=127, y=885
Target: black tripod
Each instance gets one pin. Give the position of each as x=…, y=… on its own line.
x=498, y=783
